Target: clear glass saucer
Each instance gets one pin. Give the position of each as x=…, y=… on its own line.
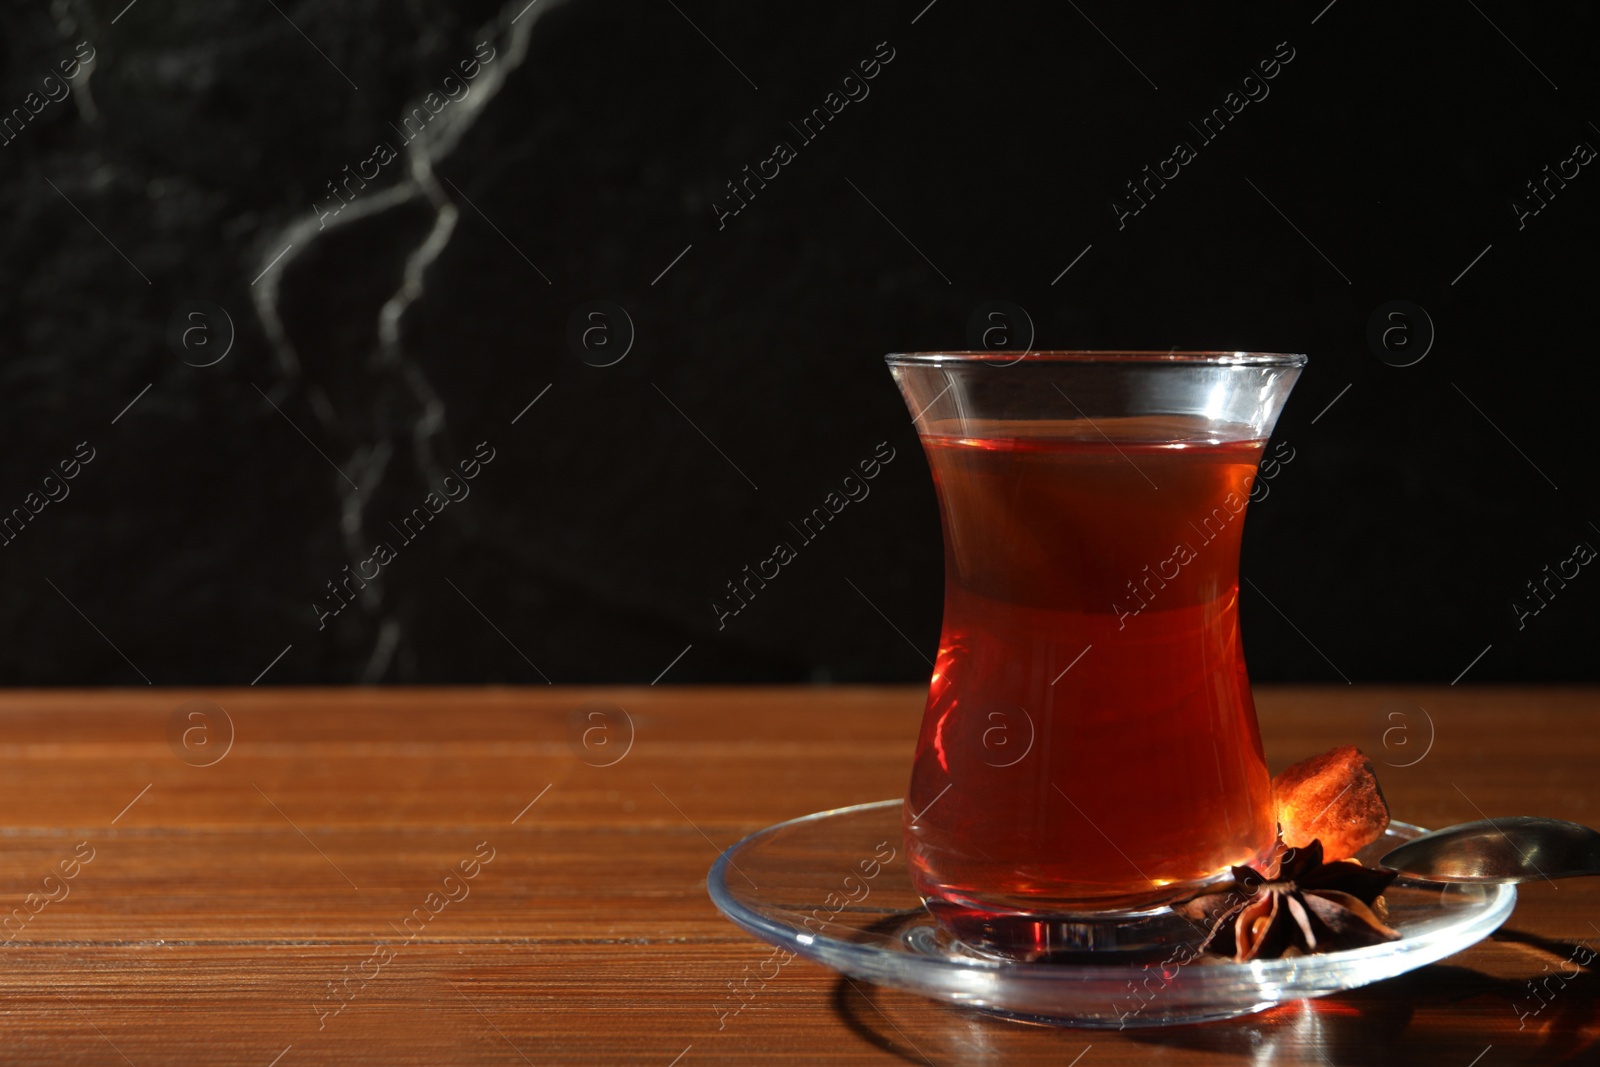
x=833, y=888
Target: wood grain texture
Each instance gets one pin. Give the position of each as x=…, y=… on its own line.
x=217, y=909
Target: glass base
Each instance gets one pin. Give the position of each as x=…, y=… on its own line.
x=834, y=888
x=1030, y=936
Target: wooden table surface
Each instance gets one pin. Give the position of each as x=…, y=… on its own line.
x=251, y=910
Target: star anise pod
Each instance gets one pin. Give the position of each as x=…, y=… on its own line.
x=1305, y=906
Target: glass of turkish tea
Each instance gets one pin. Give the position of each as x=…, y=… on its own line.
x=1089, y=753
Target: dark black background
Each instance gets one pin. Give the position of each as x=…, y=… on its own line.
x=192, y=548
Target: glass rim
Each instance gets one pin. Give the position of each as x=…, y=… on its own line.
x=1064, y=355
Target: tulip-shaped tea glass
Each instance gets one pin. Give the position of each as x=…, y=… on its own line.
x=1089, y=753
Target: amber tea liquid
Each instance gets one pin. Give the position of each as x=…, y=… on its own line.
x=1089, y=742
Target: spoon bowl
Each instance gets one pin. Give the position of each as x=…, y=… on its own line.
x=1519, y=848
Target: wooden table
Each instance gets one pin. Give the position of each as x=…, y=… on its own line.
x=255, y=910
